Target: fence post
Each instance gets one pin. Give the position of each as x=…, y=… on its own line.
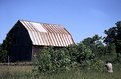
x=8, y=61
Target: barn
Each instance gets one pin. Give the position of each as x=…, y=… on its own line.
x=28, y=37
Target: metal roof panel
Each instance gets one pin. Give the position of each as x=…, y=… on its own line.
x=47, y=34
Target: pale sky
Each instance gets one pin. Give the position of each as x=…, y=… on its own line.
x=82, y=18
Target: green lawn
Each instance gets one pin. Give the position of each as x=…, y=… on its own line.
x=24, y=72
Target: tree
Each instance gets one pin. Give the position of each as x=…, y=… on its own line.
x=7, y=43
x=95, y=44
x=84, y=55
x=114, y=37
x=110, y=52
x=3, y=54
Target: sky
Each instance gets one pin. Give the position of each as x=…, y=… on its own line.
x=82, y=18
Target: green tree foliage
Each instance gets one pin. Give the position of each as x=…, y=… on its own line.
x=8, y=41
x=114, y=37
x=51, y=60
x=94, y=51
x=84, y=55
x=73, y=52
x=3, y=54
x=110, y=52
x=6, y=45
x=95, y=44
x=5, y=48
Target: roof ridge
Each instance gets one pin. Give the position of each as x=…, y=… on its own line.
x=59, y=25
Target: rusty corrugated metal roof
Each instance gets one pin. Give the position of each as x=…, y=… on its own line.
x=48, y=34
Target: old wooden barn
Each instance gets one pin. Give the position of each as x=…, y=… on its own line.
x=28, y=37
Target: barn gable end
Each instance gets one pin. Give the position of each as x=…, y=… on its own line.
x=21, y=47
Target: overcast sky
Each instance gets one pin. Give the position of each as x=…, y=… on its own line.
x=82, y=18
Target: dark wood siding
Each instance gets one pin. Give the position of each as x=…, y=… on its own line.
x=21, y=49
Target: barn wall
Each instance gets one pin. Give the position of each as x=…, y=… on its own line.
x=21, y=49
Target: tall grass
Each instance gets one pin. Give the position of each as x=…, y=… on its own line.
x=86, y=74
x=15, y=72
x=24, y=72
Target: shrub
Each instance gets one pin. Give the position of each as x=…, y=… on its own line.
x=85, y=55
x=51, y=60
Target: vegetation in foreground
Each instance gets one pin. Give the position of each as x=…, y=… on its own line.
x=24, y=72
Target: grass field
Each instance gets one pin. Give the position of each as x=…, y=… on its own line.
x=24, y=72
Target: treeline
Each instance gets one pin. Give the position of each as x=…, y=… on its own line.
x=90, y=53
